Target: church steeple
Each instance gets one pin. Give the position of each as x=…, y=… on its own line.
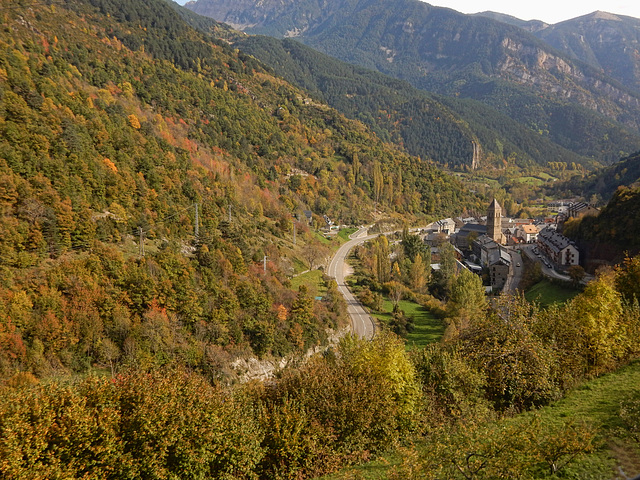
x=494, y=222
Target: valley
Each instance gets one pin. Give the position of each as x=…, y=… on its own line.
x=182, y=203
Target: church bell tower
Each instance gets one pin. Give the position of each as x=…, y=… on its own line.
x=494, y=222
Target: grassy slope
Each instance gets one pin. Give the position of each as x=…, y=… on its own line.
x=547, y=293
x=596, y=402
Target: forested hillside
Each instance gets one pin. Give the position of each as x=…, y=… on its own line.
x=456, y=133
x=571, y=103
x=114, y=123
x=614, y=233
x=604, y=182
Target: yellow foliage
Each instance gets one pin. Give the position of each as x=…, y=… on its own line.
x=134, y=122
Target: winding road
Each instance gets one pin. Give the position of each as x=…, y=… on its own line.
x=362, y=323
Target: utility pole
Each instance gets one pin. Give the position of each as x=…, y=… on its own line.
x=196, y=229
x=264, y=264
x=294, y=231
x=141, y=245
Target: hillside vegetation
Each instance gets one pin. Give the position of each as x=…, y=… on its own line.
x=146, y=171
x=114, y=123
x=613, y=233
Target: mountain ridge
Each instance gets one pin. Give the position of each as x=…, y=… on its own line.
x=447, y=52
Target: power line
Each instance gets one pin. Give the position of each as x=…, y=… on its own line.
x=135, y=232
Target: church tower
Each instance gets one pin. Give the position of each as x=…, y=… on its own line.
x=494, y=222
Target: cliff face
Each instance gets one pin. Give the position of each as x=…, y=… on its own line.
x=240, y=14
x=278, y=17
x=552, y=74
x=606, y=41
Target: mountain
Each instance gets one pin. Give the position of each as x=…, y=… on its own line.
x=606, y=41
x=446, y=52
x=460, y=133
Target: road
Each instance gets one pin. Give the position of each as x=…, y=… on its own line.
x=548, y=271
x=362, y=323
x=515, y=275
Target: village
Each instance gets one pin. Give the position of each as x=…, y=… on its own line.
x=494, y=244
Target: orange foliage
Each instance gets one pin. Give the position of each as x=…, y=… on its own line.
x=110, y=165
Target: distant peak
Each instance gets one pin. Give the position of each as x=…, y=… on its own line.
x=599, y=14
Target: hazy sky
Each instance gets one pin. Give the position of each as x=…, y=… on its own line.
x=545, y=10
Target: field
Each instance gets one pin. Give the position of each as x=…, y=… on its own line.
x=428, y=329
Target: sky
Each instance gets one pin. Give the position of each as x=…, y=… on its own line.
x=549, y=11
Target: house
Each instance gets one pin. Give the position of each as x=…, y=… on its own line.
x=499, y=268
x=483, y=248
x=558, y=248
x=447, y=225
x=308, y=216
x=527, y=233
x=495, y=258
x=434, y=239
x=510, y=236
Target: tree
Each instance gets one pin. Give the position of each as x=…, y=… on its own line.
x=447, y=267
x=378, y=182
x=382, y=262
x=594, y=322
x=520, y=367
x=419, y=274
x=413, y=245
x=628, y=278
x=467, y=301
x=385, y=356
x=396, y=291
x=577, y=273
x=313, y=252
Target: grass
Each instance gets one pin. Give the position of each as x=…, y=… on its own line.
x=531, y=181
x=343, y=234
x=314, y=282
x=597, y=402
x=428, y=328
x=322, y=239
x=547, y=293
x=299, y=266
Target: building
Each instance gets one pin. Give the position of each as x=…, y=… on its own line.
x=484, y=249
x=499, y=269
x=495, y=258
x=581, y=209
x=494, y=222
x=527, y=233
x=448, y=226
x=464, y=237
x=558, y=248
